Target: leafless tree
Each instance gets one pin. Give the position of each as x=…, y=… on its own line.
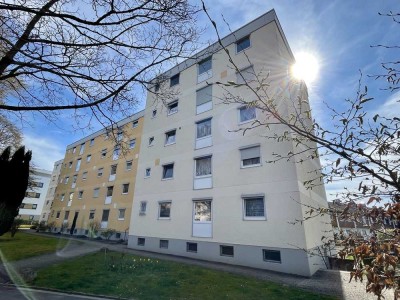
x=89, y=56
x=359, y=147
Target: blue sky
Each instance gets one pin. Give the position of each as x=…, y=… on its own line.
x=338, y=33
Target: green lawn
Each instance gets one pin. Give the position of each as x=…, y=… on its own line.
x=136, y=277
x=24, y=245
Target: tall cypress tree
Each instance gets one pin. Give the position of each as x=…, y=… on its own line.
x=14, y=178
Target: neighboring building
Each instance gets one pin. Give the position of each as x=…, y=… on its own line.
x=33, y=203
x=51, y=191
x=97, y=180
x=203, y=189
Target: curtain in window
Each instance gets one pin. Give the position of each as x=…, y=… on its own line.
x=165, y=209
x=168, y=171
x=248, y=75
x=204, y=128
x=170, y=137
x=254, y=207
x=204, y=95
x=202, y=211
x=203, y=166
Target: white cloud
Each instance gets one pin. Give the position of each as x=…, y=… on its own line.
x=45, y=151
x=390, y=108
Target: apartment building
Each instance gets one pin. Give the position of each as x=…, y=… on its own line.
x=203, y=188
x=97, y=180
x=32, y=206
x=51, y=191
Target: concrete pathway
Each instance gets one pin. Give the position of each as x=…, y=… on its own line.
x=330, y=282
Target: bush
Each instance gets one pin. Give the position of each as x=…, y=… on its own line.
x=108, y=233
x=15, y=226
x=93, y=228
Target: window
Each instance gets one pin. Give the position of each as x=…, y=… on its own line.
x=116, y=153
x=226, y=250
x=32, y=195
x=202, y=211
x=141, y=241
x=154, y=113
x=82, y=149
x=170, y=137
x=120, y=135
x=91, y=143
x=96, y=192
x=132, y=143
x=66, y=180
x=113, y=169
x=78, y=165
x=147, y=172
x=74, y=150
x=203, y=166
x=243, y=44
x=22, y=205
x=157, y=87
x=204, y=99
x=151, y=141
x=168, y=171
x=37, y=184
x=70, y=164
x=191, y=247
x=164, y=244
x=143, y=207
x=246, y=75
x=250, y=156
x=247, y=114
x=80, y=194
x=91, y=214
x=205, y=65
x=121, y=214
x=203, y=128
x=135, y=123
x=100, y=172
x=164, y=210
x=110, y=190
x=125, y=188
x=103, y=153
x=62, y=197
x=272, y=255
x=254, y=208
x=84, y=175
x=128, y=166
x=172, y=107
x=174, y=80
x=66, y=215
x=88, y=158
x=58, y=215
x=34, y=206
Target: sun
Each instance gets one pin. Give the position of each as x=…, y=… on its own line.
x=306, y=67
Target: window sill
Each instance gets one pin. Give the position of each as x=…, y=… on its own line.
x=119, y=219
x=272, y=261
x=124, y=193
x=150, y=145
x=142, y=214
x=247, y=121
x=250, y=166
x=169, y=144
x=254, y=218
x=159, y=218
x=204, y=176
x=241, y=51
x=146, y=177
x=164, y=179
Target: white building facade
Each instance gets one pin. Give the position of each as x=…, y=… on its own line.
x=51, y=191
x=33, y=203
x=206, y=191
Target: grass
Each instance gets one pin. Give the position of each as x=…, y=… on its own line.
x=128, y=276
x=24, y=245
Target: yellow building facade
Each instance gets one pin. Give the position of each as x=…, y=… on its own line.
x=97, y=181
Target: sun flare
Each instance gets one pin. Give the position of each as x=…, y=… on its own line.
x=306, y=67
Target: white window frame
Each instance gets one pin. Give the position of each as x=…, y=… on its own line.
x=119, y=214
x=242, y=166
x=166, y=137
x=126, y=165
x=249, y=120
x=154, y=113
x=159, y=209
x=174, y=77
x=142, y=208
x=100, y=172
x=132, y=141
x=151, y=141
x=84, y=175
x=123, y=185
x=195, y=166
x=80, y=194
x=175, y=110
x=135, y=123
x=88, y=158
x=253, y=218
x=103, y=153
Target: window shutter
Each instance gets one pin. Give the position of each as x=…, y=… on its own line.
x=204, y=95
x=251, y=152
